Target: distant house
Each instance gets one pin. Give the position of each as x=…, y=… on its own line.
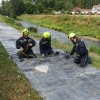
x=58, y=12
x=85, y=11
x=76, y=10
x=96, y=9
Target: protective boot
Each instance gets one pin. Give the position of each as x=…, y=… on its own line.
x=89, y=60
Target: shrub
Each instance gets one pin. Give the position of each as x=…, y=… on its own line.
x=33, y=29
x=66, y=18
x=18, y=23
x=9, y=20
x=95, y=49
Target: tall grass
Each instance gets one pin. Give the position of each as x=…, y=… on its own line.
x=95, y=49
x=13, y=86
x=12, y=22
x=85, y=25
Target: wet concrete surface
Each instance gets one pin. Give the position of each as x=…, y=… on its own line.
x=64, y=80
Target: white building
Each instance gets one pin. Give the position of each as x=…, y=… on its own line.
x=96, y=9
x=85, y=11
x=58, y=12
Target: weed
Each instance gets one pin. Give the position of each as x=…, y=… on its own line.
x=13, y=86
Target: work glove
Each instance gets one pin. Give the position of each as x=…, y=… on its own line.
x=67, y=56
x=43, y=55
x=77, y=56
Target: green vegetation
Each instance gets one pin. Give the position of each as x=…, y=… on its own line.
x=33, y=29
x=88, y=25
x=95, y=49
x=11, y=22
x=16, y=86
x=14, y=8
x=93, y=53
x=13, y=86
x=81, y=25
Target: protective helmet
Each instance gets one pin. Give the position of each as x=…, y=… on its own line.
x=25, y=32
x=46, y=35
x=71, y=35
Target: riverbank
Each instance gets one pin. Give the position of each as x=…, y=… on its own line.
x=93, y=52
x=81, y=25
x=13, y=86
x=9, y=87
x=64, y=79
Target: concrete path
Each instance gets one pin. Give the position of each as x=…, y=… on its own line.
x=64, y=80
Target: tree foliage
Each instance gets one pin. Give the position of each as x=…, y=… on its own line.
x=29, y=8
x=15, y=8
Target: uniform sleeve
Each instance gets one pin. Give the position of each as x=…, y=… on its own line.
x=18, y=44
x=73, y=50
x=33, y=43
x=41, y=47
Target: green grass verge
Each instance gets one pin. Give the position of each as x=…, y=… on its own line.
x=13, y=86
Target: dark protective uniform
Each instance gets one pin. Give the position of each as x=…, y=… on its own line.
x=81, y=53
x=45, y=47
x=27, y=52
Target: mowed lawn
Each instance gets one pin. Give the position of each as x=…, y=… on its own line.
x=13, y=86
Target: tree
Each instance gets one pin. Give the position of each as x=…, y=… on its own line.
x=4, y=9
x=59, y=5
x=29, y=8
x=69, y=6
x=17, y=8
x=40, y=8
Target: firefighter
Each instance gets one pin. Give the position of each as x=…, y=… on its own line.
x=45, y=45
x=80, y=49
x=25, y=44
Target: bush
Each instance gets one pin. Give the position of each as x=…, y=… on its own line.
x=9, y=20
x=53, y=12
x=12, y=21
x=33, y=29
x=95, y=49
x=18, y=23
x=64, y=18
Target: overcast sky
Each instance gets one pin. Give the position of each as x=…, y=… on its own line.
x=1, y=0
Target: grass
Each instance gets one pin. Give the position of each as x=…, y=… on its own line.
x=88, y=25
x=10, y=21
x=13, y=86
x=93, y=51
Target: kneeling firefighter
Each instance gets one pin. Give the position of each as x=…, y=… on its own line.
x=80, y=49
x=45, y=45
x=25, y=44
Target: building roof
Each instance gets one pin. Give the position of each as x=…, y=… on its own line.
x=76, y=9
